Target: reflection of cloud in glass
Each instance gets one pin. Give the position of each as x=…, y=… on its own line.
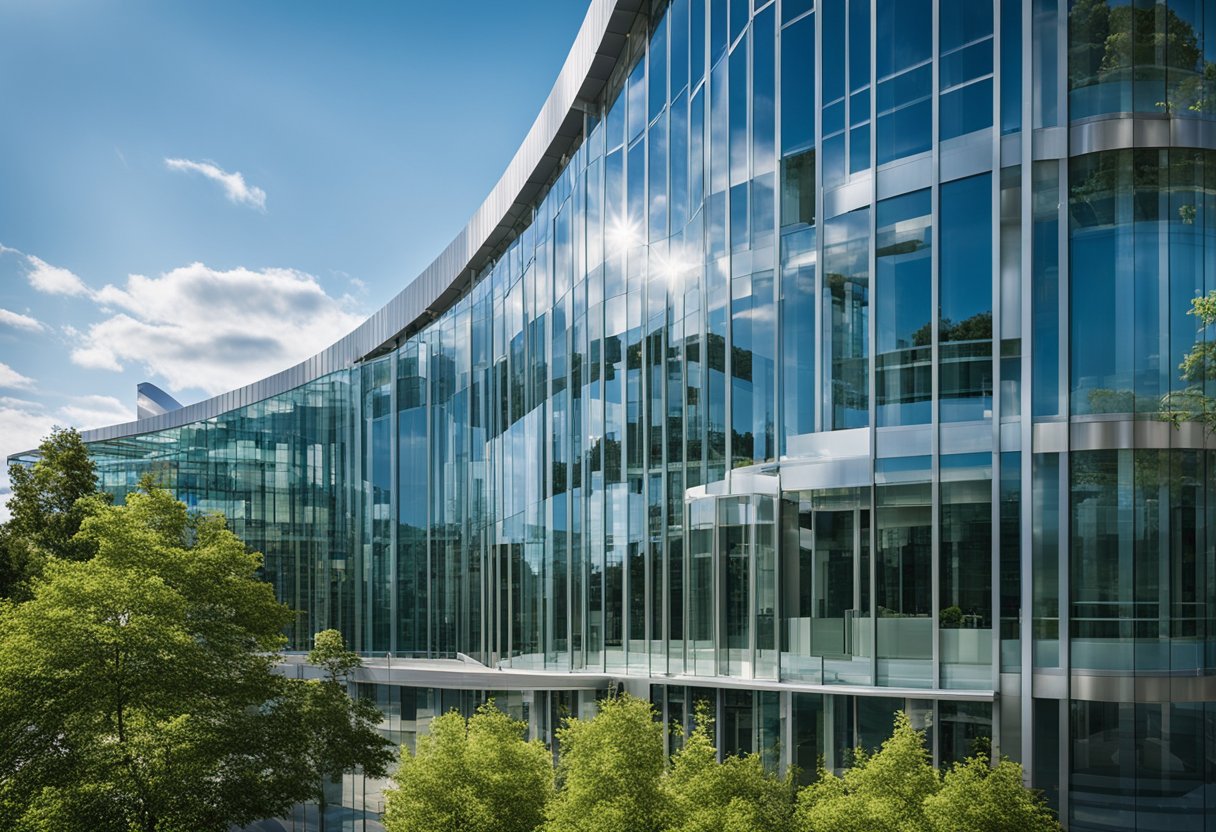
x=761, y=314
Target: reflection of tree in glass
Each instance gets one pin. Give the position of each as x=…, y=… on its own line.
x=1116, y=44
x=976, y=328
x=1193, y=403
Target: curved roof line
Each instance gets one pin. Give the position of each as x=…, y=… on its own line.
x=599, y=44
x=152, y=401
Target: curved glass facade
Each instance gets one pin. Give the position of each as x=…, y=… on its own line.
x=1133, y=56
x=825, y=379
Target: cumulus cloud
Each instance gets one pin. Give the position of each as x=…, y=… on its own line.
x=234, y=184
x=48, y=279
x=24, y=423
x=198, y=327
x=85, y=412
x=18, y=321
x=53, y=280
x=13, y=380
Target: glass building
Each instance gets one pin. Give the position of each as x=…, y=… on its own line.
x=812, y=357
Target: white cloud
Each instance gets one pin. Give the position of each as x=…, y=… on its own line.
x=23, y=424
x=12, y=379
x=198, y=327
x=18, y=321
x=53, y=280
x=86, y=412
x=234, y=184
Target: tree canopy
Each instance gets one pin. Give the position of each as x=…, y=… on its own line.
x=884, y=790
x=339, y=728
x=610, y=768
x=49, y=502
x=479, y=775
x=736, y=794
x=897, y=788
x=136, y=688
x=975, y=795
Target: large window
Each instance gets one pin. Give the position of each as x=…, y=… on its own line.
x=903, y=62
x=965, y=67
x=1140, y=229
x=965, y=292
x=846, y=311
x=903, y=296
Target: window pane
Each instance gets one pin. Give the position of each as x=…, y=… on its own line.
x=904, y=33
x=798, y=331
x=798, y=85
x=846, y=313
x=965, y=293
x=903, y=296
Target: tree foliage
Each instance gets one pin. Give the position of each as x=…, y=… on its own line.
x=610, y=769
x=736, y=794
x=884, y=790
x=136, y=688
x=339, y=729
x=49, y=502
x=977, y=796
x=474, y=776
x=896, y=788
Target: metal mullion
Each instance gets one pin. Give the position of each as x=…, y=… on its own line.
x=356, y=463
x=753, y=583
x=729, y=258
x=394, y=499
x=627, y=634
x=778, y=539
x=1064, y=280
x=568, y=460
x=935, y=362
x=848, y=87
x=1026, y=501
x=719, y=605
x=872, y=333
x=997, y=352
x=664, y=590
x=823, y=400
x=778, y=302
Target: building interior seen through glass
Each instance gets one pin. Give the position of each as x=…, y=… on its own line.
x=836, y=372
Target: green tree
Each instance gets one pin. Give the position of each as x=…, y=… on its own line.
x=340, y=730
x=474, y=776
x=736, y=794
x=610, y=771
x=884, y=790
x=979, y=797
x=136, y=688
x=49, y=502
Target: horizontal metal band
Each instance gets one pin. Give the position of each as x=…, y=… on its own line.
x=1094, y=687
x=1123, y=131
x=454, y=675
x=839, y=690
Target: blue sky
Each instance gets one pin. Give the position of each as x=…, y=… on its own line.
x=198, y=194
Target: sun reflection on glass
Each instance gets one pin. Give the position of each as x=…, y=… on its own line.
x=672, y=266
x=622, y=235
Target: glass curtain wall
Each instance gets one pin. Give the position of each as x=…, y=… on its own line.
x=723, y=404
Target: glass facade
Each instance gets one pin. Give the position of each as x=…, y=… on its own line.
x=826, y=378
